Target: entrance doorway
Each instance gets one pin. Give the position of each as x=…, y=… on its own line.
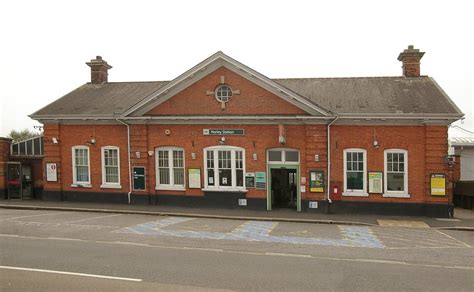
x=283, y=188
x=19, y=181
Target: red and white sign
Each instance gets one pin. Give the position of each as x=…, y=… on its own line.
x=51, y=172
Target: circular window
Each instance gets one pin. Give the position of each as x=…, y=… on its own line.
x=223, y=93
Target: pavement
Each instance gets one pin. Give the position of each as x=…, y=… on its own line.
x=463, y=218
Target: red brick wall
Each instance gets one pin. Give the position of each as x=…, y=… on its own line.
x=426, y=145
x=436, y=149
x=75, y=135
x=52, y=154
x=251, y=101
x=263, y=137
x=4, y=157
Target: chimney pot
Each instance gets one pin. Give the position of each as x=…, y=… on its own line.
x=411, y=61
x=99, y=70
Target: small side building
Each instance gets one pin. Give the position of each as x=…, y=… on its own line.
x=21, y=168
x=463, y=150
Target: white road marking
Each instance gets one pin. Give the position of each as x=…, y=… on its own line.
x=357, y=260
x=463, y=243
x=91, y=218
x=131, y=243
x=26, y=216
x=62, y=224
x=71, y=273
x=66, y=239
x=294, y=255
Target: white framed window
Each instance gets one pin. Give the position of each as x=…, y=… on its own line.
x=224, y=168
x=110, y=167
x=283, y=156
x=170, y=168
x=81, y=173
x=396, y=173
x=223, y=93
x=355, y=172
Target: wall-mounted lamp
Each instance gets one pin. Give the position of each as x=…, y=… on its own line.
x=222, y=140
x=193, y=155
x=316, y=157
x=376, y=144
x=137, y=154
x=150, y=153
x=55, y=140
x=91, y=141
x=254, y=156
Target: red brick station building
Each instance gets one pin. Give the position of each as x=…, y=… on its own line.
x=224, y=135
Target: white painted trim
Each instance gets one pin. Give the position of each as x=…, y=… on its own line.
x=221, y=189
x=355, y=194
x=111, y=186
x=79, y=185
x=359, y=193
x=170, y=188
x=104, y=183
x=171, y=185
x=392, y=195
x=76, y=183
x=396, y=194
x=213, y=62
x=216, y=187
x=283, y=156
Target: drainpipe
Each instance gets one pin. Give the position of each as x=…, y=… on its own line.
x=129, y=163
x=328, y=188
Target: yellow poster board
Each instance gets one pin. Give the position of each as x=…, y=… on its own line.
x=438, y=184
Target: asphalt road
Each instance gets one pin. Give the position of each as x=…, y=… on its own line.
x=59, y=251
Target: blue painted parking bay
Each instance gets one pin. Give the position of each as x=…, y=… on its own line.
x=352, y=236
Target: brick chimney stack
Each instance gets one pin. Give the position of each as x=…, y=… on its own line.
x=411, y=61
x=99, y=70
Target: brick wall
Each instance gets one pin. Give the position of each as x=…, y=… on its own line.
x=436, y=149
x=425, y=146
x=252, y=99
x=4, y=157
x=78, y=135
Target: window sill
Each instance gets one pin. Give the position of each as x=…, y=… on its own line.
x=355, y=194
x=170, y=188
x=234, y=190
x=85, y=185
x=109, y=186
x=389, y=195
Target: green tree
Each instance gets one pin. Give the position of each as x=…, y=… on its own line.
x=22, y=134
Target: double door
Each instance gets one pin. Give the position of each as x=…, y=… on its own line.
x=19, y=181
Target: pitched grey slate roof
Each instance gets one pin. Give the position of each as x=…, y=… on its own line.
x=360, y=95
x=107, y=99
x=380, y=95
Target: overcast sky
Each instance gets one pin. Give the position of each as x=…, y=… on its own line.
x=45, y=44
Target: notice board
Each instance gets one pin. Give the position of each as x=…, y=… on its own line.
x=438, y=184
x=316, y=181
x=260, y=180
x=51, y=172
x=375, y=182
x=250, y=180
x=194, y=178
